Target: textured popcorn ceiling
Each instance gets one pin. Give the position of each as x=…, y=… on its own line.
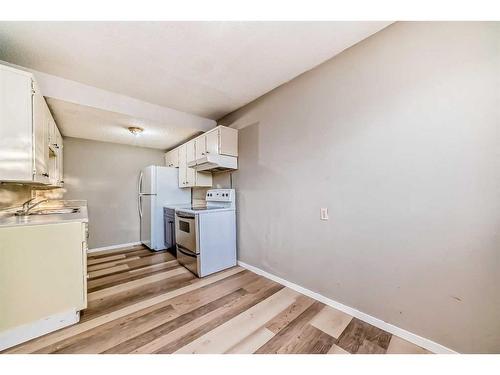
x=79, y=121
x=203, y=68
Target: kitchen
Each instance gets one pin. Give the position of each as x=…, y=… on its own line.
x=220, y=203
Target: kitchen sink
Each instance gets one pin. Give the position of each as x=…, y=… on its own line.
x=55, y=211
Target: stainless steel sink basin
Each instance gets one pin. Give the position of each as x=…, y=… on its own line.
x=55, y=211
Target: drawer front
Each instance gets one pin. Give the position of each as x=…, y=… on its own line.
x=189, y=260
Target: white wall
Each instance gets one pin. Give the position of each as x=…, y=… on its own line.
x=105, y=174
x=399, y=136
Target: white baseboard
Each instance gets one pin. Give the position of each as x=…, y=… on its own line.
x=411, y=337
x=26, y=332
x=104, y=248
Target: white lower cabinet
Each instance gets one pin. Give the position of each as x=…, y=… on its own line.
x=42, y=280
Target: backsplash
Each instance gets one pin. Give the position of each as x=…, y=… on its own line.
x=14, y=195
x=198, y=196
x=220, y=181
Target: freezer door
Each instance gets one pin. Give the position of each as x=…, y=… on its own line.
x=147, y=180
x=168, y=191
x=146, y=204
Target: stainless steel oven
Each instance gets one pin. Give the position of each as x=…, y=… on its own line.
x=188, y=254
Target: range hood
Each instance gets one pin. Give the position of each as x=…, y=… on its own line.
x=215, y=163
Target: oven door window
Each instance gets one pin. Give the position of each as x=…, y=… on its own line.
x=184, y=226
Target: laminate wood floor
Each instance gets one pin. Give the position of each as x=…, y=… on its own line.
x=145, y=302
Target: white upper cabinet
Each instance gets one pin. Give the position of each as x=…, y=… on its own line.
x=188, y=177
x=26, y=130
x=194, y=158
x=190, y=151
x=222, y=141
x=200, y=145
x=212, y=142
x=16, y=162
x=182, y=166
x=172, y=158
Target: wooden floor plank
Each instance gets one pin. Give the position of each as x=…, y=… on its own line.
x=111, y=334
x=310, y=340
x=112, y=290
x=129, y=275
x=140, y=301
x=227, y=335
x=252, y=342
x=331, y=321
x=122, y=250
x=214, y=319
x=107, y=271
x=140, y=293
x=159, y=338
x=100, y=266
x=290, y=313
x=285, y=340
x=62, y=334
x=363, y=338
x=92, y=261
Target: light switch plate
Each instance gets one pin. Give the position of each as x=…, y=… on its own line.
x=323, y=213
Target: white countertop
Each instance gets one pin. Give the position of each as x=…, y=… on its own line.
x=9, y=219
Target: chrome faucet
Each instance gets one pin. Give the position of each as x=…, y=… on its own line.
x=27, y=208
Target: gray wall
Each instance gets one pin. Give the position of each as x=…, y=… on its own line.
x=105, y=174
x=399, y=136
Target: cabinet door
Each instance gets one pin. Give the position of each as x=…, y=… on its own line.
x=182, y=166
x=168, y=159
x=200, y=146
x=228, y=141
x=172, y=158
x=58, y=137
x=60, y=174
x=51, y=129
x=16, y=131
x=190, y=177
x=50, y=280
x=41, y=138
x=175, y=158
x=60, y=158
x=212, y=142
x=190, y=152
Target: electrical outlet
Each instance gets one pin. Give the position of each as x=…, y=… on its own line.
x=323, y=213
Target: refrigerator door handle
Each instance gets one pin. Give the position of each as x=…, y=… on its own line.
x=139, y=205
x=139, y=184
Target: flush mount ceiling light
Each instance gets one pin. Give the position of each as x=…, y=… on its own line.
x=135, y=130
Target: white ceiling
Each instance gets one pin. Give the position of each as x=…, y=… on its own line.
x=85, y=122
x=203, y=68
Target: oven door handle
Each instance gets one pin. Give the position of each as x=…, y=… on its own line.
x=184, y=216
x=186, y=252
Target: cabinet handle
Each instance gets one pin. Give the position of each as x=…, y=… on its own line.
x=45, y=174
x=208, y=152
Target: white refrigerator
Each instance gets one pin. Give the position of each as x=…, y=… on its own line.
x=158, y=187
